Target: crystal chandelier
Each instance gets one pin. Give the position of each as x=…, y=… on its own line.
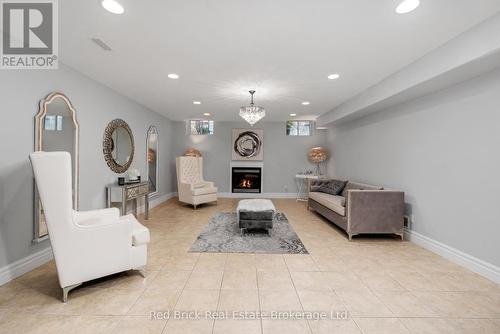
x=252, y=113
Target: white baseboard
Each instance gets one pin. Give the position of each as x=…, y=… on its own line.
x=155, y=201
x=264, y=195
x=470, y=262
x=22, y=266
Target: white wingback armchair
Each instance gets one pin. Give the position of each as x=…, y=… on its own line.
x=191, y=186
x=86, y=245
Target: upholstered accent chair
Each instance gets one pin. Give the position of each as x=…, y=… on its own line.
x=191, y=186
x=86, y=245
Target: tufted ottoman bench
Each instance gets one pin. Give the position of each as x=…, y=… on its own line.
x=255, y=214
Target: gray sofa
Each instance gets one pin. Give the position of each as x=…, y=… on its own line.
x=360, y=208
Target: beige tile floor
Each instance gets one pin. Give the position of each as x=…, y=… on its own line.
x=384, y=285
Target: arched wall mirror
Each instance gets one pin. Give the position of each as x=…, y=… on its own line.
x=152, y=160
x=118, y=146
x=56, y=129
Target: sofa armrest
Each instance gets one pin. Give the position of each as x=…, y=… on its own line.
x=375, y=211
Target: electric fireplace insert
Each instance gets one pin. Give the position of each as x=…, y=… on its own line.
x=246, y=180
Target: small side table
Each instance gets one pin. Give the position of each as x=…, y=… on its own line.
x=303, y=181
x=128, y=192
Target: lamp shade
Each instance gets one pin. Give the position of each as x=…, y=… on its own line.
x=192, y=152
x=318, y=154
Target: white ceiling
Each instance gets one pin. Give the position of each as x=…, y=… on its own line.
x=282, y=48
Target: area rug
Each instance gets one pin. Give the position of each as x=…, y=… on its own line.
x=222, y=235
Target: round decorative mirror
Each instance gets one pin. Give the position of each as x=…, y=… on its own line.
x=118, y=146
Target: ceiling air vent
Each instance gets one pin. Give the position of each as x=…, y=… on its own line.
x=101, y=44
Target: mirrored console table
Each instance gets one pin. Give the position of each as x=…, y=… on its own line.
x=121, y=195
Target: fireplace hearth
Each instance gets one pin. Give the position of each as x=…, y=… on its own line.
x=246, y=180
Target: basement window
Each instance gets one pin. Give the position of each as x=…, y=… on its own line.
x=53, y=123
x=299, y=128
x=201, y=127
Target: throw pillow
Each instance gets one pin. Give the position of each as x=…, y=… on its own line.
x=332, y=187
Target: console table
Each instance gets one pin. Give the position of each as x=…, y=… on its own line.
x=121, y=195
x=303, y=182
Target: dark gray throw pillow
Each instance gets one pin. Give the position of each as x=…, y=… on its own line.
x=332, y=187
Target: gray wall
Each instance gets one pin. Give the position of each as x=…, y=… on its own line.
x=443, y=151
x=284, y=156
x=96, y=105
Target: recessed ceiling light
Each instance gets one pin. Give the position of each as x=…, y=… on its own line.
x=206, y=114
x=173, y=76
x=293, y=115
x=407, y=6
x=196, y=102
x=333, y=76
x=306, y=103
x=113, y=6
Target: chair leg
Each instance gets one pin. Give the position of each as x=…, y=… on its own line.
x=66, y=290
x=142, y=271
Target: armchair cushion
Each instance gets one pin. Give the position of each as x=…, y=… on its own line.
x=202, y=185
x=86, y=217
x=204, y=191
x=90, y=221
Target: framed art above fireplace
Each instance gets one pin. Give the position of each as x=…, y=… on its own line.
x=247, y=144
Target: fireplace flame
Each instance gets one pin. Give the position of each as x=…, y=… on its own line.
x=245, y=183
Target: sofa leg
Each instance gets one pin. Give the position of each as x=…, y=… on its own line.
x=350, y=236
x=194, y=205
x=66, y=290
x=142, y=271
